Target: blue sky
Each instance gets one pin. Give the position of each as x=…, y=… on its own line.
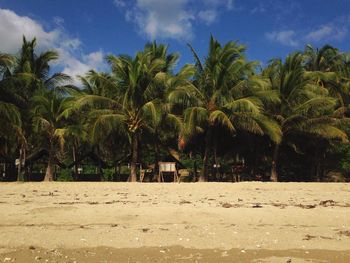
x=85, y=31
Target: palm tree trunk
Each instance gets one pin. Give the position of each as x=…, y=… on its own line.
x=49, y=170
x=75, y=164
x=156, y=161
x=134, y=155
x=22, y=157
x=216, y=163
x=274, y=174
x=203, y=177
x=317, y=163
x=195, y=170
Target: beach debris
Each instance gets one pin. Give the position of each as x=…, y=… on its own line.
x=110, y=202
x=37, y=258
x=327, y=203
x=328, y=238
x=243, y=251
x=240, y=200
x=7, y=259
x=289, y=261
x=227, y=205
x=306, y=206
x=309, y=237
x=257, y=205
x=31, y=247
x=344, y=233
x=282, y=206
x=145, y=230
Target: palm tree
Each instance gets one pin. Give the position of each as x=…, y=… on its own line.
x=328, y=67
x=9, y=113
x=28, y=75
x=305, y=108
x=226, y=95
x=130, y=103
x=11, y=133
x=48, y=121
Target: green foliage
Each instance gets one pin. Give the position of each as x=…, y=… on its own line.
x=291, y=117
x=65, y=175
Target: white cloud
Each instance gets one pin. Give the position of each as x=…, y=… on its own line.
x=259, y=9
x=13, y=27
x=208, y=16
x=72, y=60
x=327, y=32
x=287, y=37
x=171, y=19
x=59, y=21
x=74, y=66
x=119, y=3
x=336, y=30
x=165, y=19
x=229, y=4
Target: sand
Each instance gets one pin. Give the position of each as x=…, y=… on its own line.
x=171, y=222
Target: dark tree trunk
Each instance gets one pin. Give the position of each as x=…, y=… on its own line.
x=274, y=173
x=203, y=177
x=156, y=161
x=317, y=163
x=195, y=170
x=49, y=170
x=216, y=173
x=22, y=156
x=134, y=158
x=100, y=170
x=75, y=164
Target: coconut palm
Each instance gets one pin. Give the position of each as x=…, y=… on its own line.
x=28, y=75
x=8, y=112
x=328, y=67
x=227, y=95
x=48, y=121
x=131, y=100
x=306, y=107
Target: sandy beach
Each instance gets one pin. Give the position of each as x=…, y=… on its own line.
x=171, y=222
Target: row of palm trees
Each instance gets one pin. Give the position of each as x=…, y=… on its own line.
x=213, y=108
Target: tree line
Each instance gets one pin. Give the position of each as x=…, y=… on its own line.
x=287, y=120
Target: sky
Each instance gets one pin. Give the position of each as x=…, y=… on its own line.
x=84, y=32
